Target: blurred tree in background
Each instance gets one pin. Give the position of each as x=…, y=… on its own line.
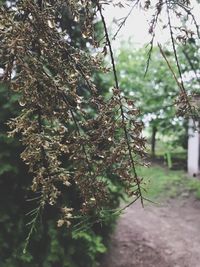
x=155, y=92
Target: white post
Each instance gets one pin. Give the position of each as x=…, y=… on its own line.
x=193, y=149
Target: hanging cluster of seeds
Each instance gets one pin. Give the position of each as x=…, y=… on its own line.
x=71, y=135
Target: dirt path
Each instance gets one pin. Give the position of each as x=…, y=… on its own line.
x=157, y=236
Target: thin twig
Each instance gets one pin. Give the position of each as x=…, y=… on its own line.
x=174, y=50
x=124, y=20
x=188, y=11
x=33, y=224
x=153, y=26
x=77, y=128
x=169, y=66
x=181, y=84
x=149, y=55
x=191, y=65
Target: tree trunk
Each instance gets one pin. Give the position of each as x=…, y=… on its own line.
x=153, y=141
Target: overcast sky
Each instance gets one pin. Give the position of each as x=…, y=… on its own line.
x=137, y=25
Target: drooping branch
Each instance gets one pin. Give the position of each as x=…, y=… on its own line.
x=125, y=19
x=121, y=106
x=191, y=65
x=153, y=25
x=71, y=133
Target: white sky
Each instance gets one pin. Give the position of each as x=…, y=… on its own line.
x=137, y=25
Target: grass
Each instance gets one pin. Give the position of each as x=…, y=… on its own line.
x=176, y=151
x=194, y=186
x=160, y=182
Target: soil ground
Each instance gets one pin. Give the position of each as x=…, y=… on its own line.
x=164, y=235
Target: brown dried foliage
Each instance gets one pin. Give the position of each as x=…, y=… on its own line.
x=69, y=137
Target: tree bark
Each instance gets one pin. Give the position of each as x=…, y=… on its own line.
x=153, y=141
